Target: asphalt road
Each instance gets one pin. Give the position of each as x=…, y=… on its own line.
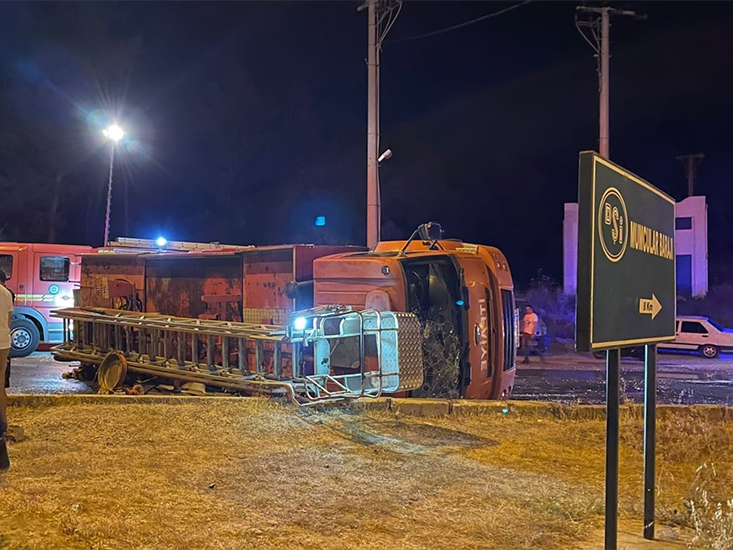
x=40, y=373
x=577, y=378
x=685, y=379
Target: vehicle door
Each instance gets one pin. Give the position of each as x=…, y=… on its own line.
x=675, y=344
x=692, y=335
x=13, y=263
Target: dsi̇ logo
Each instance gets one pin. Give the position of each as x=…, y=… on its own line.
x=613, y=224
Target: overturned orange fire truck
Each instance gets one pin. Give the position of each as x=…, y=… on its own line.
x=422, y=317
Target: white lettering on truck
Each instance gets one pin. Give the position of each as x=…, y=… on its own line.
x=484, y=338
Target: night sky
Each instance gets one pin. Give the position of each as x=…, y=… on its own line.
x=246, y=120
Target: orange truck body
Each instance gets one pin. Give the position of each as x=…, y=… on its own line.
x=247, y=284
x=43, y=277
x=467, y=288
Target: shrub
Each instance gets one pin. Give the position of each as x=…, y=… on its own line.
x=718, y=305
x=556, y=308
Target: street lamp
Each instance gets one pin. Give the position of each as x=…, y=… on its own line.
x=114, y=133
x=386, y=155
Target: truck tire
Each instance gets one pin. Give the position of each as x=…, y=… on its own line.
x=24, y=337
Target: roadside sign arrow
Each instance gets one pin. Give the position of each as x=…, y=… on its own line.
x=651, y=307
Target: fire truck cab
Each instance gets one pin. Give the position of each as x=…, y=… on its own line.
x=462, y=295
x=43, y=277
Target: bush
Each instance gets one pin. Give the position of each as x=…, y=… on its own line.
x=718, y=305
x=556, y=308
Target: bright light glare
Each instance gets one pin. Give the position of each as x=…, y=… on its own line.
x=161, y=241
x=64, y=300
x=299, y=323
x=114, y=132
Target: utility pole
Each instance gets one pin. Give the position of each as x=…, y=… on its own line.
x=691, y=163
x=382, y=16
x=603, y=107
x=373, y=202
x=599, y=25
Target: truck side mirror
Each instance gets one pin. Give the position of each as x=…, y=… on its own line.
x=430, y=231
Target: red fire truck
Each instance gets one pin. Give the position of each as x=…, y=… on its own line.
x=43, y=277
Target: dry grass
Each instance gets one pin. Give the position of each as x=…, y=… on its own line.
x=712, y=521
x=254, y=474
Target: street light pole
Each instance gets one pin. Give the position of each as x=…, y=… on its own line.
x=109, y=193
x=114, y=133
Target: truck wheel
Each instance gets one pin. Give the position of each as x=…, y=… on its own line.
x=709, y=351
x=24, y=337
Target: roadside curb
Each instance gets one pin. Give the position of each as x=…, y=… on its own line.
x=403, y=406
x=531, y=409
x=49, y=400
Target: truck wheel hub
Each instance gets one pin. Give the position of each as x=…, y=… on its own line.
x=20, y=338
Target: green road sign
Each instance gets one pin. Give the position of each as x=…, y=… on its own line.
x=626, y=293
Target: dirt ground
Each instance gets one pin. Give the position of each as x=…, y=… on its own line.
x=251, y=473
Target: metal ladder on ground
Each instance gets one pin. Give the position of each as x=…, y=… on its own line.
x=331, y=354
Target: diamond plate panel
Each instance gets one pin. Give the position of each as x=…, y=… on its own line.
x=409, y=351
x=401, y=354
x=268, y=316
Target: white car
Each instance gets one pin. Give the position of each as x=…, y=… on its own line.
x=700, y=334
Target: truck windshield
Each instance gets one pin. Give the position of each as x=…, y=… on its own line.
x=433, y=294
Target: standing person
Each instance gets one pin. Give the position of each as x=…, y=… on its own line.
x=6, y=314
x=529, y=328
x=3, y=281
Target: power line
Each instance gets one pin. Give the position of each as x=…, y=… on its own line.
x=393, y=12
x=464, y=24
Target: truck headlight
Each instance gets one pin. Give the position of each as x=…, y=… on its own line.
x=299, y=323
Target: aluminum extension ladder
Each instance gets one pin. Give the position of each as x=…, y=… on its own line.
x=326, y=354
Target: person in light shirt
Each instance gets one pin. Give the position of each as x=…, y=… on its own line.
x=6, y=313
x=529, y=329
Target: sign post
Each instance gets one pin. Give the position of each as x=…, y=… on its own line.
x=650, y=437
x=626, y=296
x=613, y=376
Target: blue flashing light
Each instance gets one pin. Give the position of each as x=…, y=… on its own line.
x=320, y=221
x=161, y=241
x=299, y=323
x=460, y=303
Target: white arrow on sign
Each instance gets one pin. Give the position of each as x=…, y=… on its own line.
x=651, y=307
